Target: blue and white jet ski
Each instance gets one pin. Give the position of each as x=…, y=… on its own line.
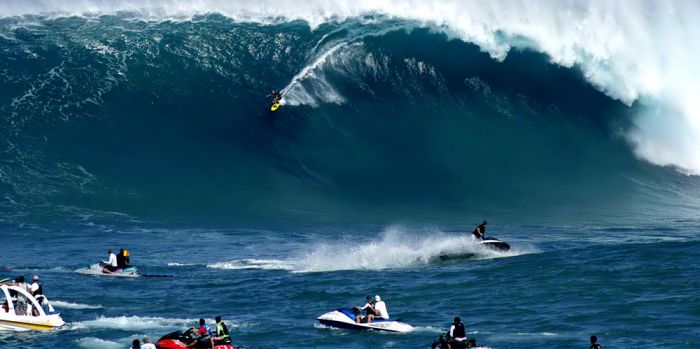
x=345, y=318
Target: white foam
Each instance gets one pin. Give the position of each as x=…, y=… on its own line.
x=395, y=249
x=631, y=50
x=176, y=264
x=93, y=342
x=267, y=264
x=132, y=323
x=69, y=305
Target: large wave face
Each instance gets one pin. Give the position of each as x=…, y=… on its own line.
x=160, y=110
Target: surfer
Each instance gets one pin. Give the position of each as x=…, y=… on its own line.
x=480, y=230
x=276, y=96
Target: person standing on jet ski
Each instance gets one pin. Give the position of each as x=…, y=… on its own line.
x=222, y=336
x=111, y=264
x=480, y=231
x=368, y=308
x=203, y=335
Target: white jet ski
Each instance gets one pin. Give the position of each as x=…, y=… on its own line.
x=97, y=269
x=345, y=318
x=20, y=311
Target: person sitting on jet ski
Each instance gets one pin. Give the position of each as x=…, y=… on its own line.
x=457, y=334
x=222, y=336
x=480, y=231
x=123, y=259
x=594, y=343
x=203, y=335
x=369, y=310
x=111, y=264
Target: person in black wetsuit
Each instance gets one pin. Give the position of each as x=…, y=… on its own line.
x=594, y=343
x=123, y=259
x=480, y=231
x=276, y=96
x=369, y=310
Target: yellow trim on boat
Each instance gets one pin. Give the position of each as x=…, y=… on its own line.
x=41, y=326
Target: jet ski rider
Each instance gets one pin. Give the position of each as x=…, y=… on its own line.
x=222, y=336
x=123, y=259
x=203, y=335
x=276, y=96
x=369, y=310
x=111, y=264
x=457, y=334
x=480, y=231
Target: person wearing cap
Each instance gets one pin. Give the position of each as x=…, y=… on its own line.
x=368, y=308
x=111, y=264
x=480, y=231
x=37, y=291
x=147, y=343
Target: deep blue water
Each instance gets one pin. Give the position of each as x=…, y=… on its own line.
x=155, y=136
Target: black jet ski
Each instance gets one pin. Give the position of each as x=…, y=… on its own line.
x=495, y=244
x=441, y=343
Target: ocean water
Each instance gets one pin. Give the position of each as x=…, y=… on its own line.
x=571, y=127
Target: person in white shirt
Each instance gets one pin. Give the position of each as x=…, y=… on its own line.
x=147, y=343
x=111, y=264
x=380, y=309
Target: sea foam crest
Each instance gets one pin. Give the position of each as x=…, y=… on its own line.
x=643, y=51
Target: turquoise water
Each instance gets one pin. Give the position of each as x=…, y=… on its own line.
x=396, y=140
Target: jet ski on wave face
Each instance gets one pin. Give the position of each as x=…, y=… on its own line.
x=479, y=235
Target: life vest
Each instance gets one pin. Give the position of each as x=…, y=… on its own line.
x=459, y=331
x=222, y=331
x=39, y=291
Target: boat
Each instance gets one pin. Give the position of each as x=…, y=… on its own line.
x=180, y=339
x=345, y=318
x=441, y=343
x=97, y=269
x=20, y=311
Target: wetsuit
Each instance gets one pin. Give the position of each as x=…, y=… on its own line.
x=480, y=231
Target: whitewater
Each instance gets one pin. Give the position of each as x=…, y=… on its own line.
x=635, y=51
